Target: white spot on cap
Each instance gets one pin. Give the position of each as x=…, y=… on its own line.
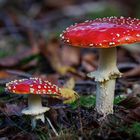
x=91, y=45
x=111, y=43
x=31, y=90
x=126, y=38
x=44, y=91
x=117, y=35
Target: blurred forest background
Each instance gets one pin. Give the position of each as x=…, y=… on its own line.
x=30, y=46
x=30, y=29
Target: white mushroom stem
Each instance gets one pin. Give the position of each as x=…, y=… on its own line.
x=106, y=78
x=35, y=109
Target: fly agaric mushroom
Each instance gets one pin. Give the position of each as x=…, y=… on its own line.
x=35, y=87
x=106, y=34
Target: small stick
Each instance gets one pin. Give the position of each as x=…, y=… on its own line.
x=54, y=130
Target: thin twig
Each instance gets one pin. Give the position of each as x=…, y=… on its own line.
x=54, y=130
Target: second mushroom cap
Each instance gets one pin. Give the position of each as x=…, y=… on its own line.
x=32, y=86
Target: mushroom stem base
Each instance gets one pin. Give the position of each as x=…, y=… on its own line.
x=106, y=77
x=35, y=109
x=105, y=97
x=37, y=117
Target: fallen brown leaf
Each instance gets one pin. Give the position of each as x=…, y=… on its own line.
x=133, y=72
x=11, y=61
x=69, y=95
x=70, y=56
x=4, y=74
x=130, y=102
x=133, y=115
x=70, y=83
x=60, y=60
x=89, y=62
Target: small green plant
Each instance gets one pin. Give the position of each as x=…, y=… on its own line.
x=134, y=130
x=30, y=58
x=118, y=99
x=2, y=89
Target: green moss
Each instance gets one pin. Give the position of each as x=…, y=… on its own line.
x=84, y=101
x=89, y=101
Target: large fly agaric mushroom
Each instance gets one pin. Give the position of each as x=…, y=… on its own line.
x=105, y=34
x=35, y=87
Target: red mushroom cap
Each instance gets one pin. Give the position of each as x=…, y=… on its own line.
x=103, y=32
x=32, y=86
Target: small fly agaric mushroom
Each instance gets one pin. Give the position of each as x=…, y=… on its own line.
x=106, y=34
x=35, y=87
